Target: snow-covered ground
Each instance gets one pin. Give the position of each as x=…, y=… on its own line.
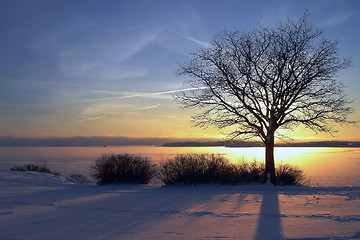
x=40, y=206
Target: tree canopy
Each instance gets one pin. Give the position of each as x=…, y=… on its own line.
x=267, y=79
x=271, y=78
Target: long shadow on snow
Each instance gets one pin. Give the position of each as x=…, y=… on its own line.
x=108, y=212
x=117, y=211
x=269, y=223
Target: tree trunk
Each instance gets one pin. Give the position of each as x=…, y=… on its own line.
x=269, y=158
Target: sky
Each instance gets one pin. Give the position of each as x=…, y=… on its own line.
x=108, y=68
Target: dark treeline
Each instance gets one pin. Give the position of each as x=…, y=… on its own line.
x=79, y=141
x=259, y=144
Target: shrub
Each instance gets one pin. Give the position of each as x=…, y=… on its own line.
x=123, y=168
x=38, y=167
x=191, y=169
x=251, y=172
x=290, y=175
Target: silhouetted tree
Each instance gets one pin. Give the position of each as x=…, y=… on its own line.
x=272, y=78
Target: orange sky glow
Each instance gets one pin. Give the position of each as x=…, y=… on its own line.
x=95, y=69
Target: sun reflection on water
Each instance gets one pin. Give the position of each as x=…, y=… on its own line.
x=328, y=166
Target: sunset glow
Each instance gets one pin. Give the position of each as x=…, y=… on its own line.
x=179, y=119
x=96, y=69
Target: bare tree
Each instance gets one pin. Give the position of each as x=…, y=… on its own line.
x=257, y=82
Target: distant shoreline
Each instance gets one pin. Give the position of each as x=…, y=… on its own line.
x=98, y=141
x=258, y=144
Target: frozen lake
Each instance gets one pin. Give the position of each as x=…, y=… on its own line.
x=325, y=166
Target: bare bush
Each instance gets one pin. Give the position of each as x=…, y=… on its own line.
x=291, y=175
x=35, y=167
x=192, y=169
x=123, y=168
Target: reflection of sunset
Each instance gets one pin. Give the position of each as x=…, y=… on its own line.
x=317, y=163
x=328, y=166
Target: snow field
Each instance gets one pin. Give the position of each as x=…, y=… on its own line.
x=40, y=206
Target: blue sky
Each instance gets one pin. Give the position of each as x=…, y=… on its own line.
x=108, y=68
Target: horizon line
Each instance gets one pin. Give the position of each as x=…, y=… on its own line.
x=150, y=141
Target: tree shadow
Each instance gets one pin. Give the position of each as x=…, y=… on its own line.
x=108, y=212
x=269, y=224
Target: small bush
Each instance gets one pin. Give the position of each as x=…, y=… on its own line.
x=251, y=172
x=123, y=168
x=290, y=175
x=192, y=169
x=38, y=167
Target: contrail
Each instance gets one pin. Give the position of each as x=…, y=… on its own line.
x=180, y=90
x=91, y=119
x=136, y=94
x=149, y=107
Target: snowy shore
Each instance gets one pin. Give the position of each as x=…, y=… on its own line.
x=41, y=206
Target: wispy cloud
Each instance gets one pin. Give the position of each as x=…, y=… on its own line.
x=104, y=59
x=339, y=18
x=91, y=119
x=105, y=109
